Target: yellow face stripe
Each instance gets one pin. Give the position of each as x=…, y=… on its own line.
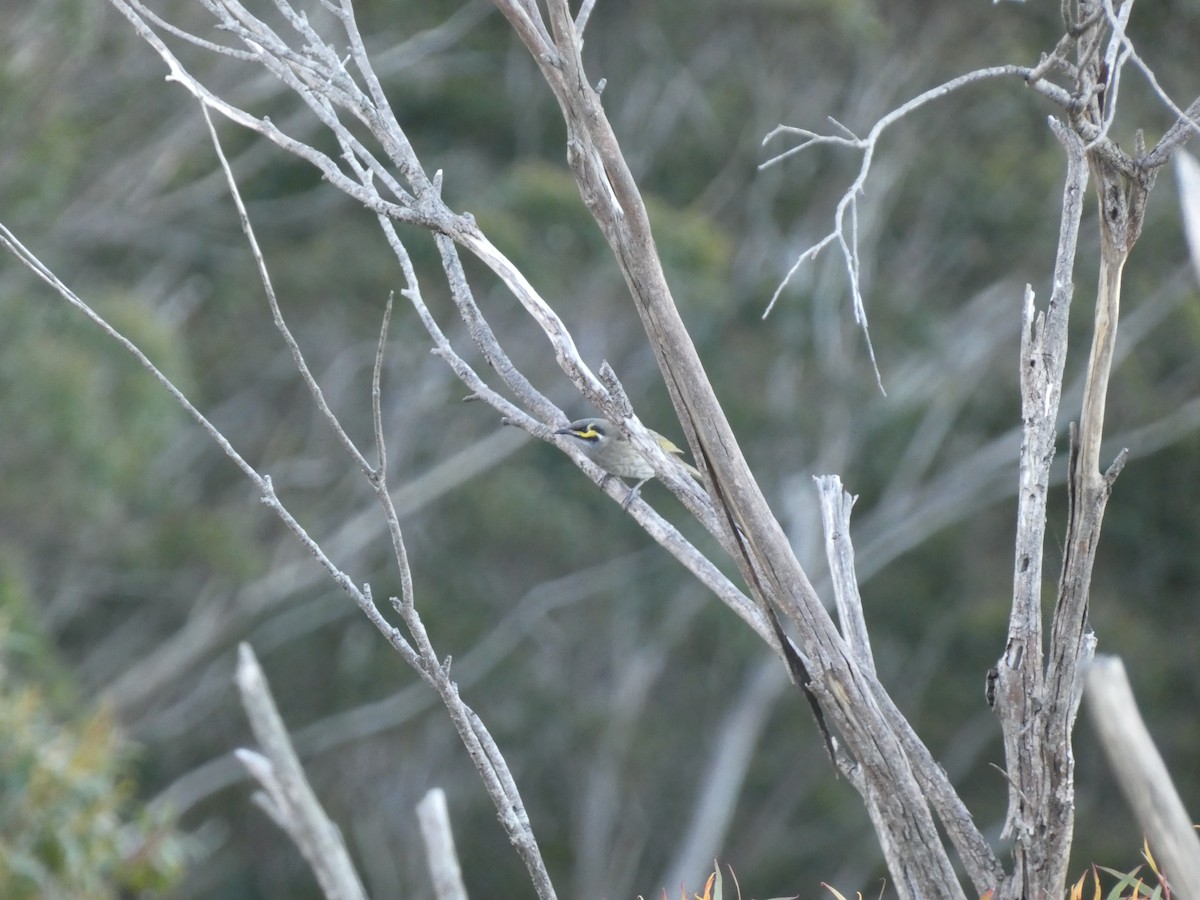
x=588, y=434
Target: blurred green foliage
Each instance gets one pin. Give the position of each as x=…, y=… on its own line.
x=70, y=826
x=149, y=558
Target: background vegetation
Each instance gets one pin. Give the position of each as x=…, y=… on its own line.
x=141, y=557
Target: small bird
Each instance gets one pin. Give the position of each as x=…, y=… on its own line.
x=605, y=445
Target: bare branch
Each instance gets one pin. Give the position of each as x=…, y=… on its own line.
x=1187, y=171
x=1018, y=687
x=901, y=783
x=377, y=392
x=845, y=217
x=764, y=555
x=434, y=817
x=836, y=504
x=1142, y=775
x=1115, y=57
x=488, y=762
x=262, y=482
x=1183, y=130
x=289, y=799
x=1187, y=123
x=581, y=19
x=293, y=346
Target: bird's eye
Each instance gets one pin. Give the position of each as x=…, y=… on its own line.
x=590, y=433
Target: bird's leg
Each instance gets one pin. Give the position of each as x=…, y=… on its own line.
x=633, y=492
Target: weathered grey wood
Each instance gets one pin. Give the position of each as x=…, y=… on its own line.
x=836, y=504
x=1142, y=775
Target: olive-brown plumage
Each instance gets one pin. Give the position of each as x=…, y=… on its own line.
x=605, y=445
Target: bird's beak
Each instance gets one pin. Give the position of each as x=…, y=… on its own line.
x=564, y=431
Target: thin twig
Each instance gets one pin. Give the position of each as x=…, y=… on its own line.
x=281, y=326
x=377, y=393
x=848, y=204
x=261, y=482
